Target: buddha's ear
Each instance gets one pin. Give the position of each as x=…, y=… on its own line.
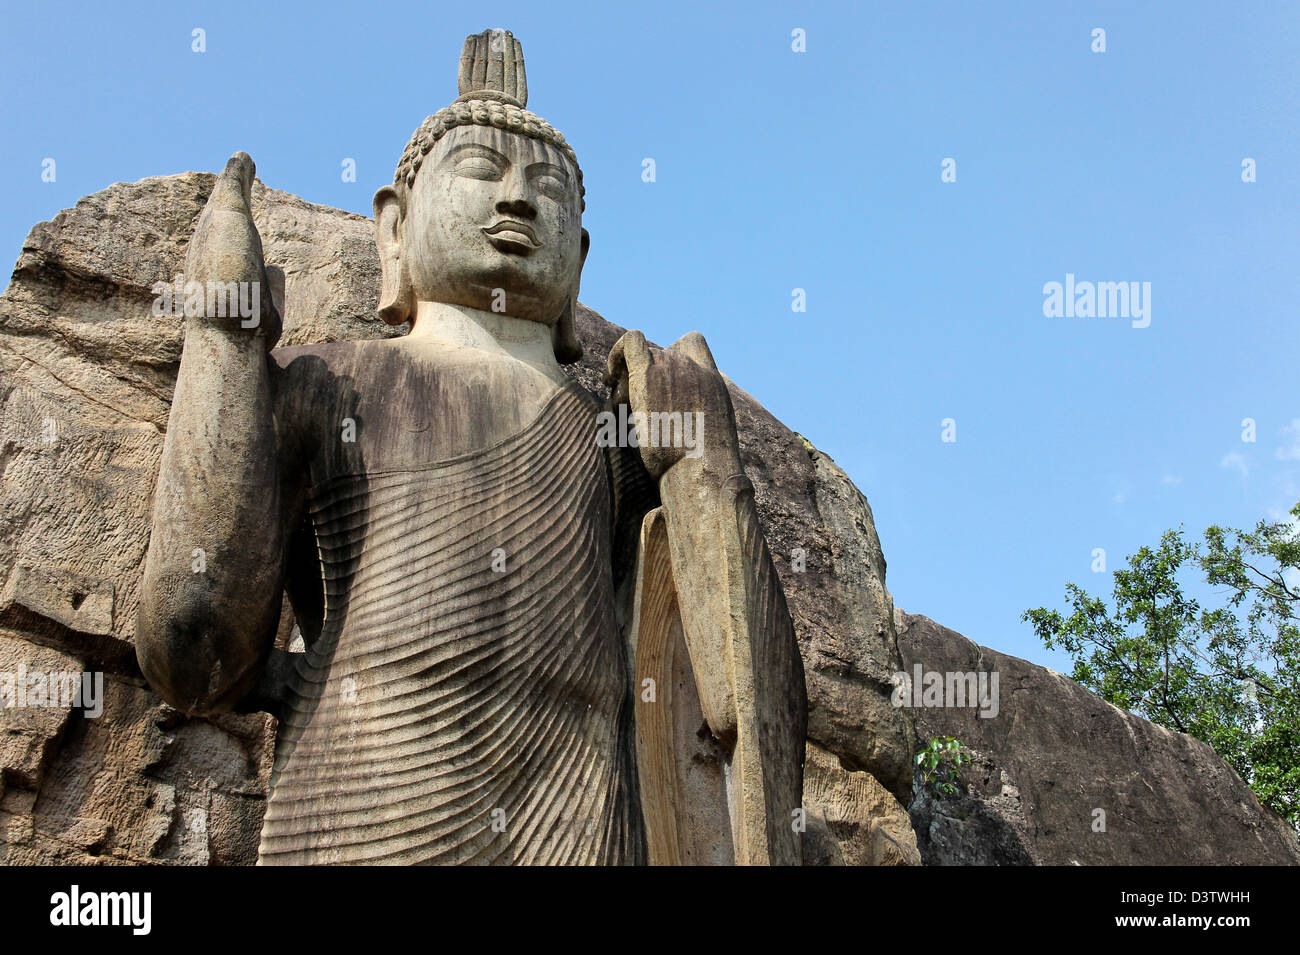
x=396, y=296
x=568, y=347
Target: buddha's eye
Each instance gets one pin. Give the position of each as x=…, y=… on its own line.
x=478, y=167
x=549, y=181
x=551, y=185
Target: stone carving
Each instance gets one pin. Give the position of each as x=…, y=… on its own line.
x=81, y=346
x=144, y=784
x=527, y=640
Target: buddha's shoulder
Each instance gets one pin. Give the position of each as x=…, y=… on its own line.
x=372, y=366
x=331, y=357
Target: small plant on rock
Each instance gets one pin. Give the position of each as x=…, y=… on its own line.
x=941, y=761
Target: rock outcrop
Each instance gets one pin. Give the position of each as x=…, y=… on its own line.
x=86, y=375
x=1057, y=761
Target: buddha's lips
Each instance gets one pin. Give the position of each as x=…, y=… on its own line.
x=514, y=232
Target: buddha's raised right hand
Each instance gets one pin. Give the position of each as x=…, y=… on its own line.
x=225, y=257
x=214, y=575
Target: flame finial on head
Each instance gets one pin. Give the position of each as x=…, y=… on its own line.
x=493, y=92
x=492, y=67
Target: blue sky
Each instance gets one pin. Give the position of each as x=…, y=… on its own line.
x=820, y=170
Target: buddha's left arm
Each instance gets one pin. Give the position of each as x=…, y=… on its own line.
x=740, y=636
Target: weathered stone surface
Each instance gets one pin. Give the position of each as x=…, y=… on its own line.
x=852, y=819
x=30, y=735
x=843, y=614
x=481, y=566
x=137, y=785
x=1054, y=754
x=80, y=348
x=79, y=603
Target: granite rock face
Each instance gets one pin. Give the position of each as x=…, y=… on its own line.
x=86, y=375
x=1053, y=755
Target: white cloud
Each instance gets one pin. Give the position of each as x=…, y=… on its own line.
x=1172, y=480
x=1290, y=449
x=1237, y=461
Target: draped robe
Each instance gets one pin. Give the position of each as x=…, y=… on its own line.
x=467, y=699
x=477, y=620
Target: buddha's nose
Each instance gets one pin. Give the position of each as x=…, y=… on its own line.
x=517, y=200
x=520, y=207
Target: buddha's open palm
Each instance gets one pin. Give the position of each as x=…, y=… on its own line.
x=681, y=379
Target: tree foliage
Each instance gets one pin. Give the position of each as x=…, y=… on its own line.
x=941, y=760
x=1228, y=674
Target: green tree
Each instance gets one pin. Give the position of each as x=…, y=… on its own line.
x=1229, y=674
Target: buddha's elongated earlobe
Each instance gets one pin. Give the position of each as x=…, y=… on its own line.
x=568, y=347
x=396, y=295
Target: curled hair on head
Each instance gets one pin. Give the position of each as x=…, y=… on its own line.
x=480, y=112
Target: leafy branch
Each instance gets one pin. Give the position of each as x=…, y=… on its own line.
x=941, y=761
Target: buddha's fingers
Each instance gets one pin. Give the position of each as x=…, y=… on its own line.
x=234, y=188
x=694, y=347
x=225, y=258
x=626, y=368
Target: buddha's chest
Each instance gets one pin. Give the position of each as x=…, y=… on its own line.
x=506, y=526
x=397, y=412
x=486, y=576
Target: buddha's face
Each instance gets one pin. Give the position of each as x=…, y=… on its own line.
x=494, y=221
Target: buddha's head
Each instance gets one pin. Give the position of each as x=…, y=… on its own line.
x=486, y=207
